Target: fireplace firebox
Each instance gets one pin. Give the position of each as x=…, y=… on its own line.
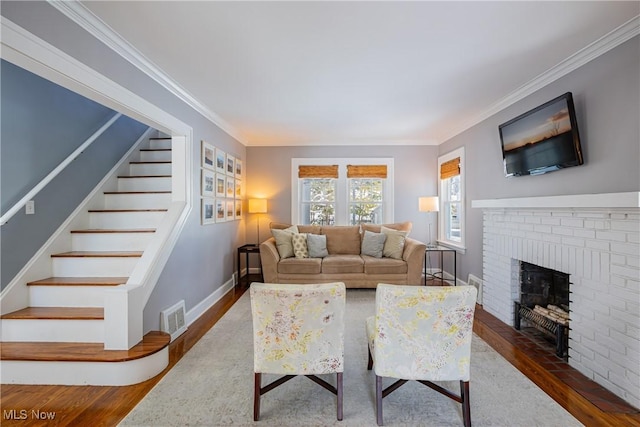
x=544, y=304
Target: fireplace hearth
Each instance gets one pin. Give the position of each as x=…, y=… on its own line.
x=544, y=304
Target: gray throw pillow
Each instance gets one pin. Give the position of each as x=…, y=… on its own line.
x=317, y=245
x=373, y=243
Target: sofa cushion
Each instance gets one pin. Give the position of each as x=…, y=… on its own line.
x=394, y=245
x=341, y=264
x=317, y=244
x=372, y=244
x=374, y=265
x=300, y=266
x=400, y=226
x=343, y=239
x=283, y=240
x=299, y=242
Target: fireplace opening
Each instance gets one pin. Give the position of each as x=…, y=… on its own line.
x=544, y=304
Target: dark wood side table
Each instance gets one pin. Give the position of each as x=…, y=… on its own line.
x=248, y=250
x=439, y=274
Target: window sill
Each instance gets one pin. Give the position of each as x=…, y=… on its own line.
x=458, y=248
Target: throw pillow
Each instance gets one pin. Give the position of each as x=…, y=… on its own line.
x=299, y=242
x=373, y=244
x=317, y=244
x=394, y=245
x=283, y=241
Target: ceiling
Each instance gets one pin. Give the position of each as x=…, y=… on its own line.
x=355, y=73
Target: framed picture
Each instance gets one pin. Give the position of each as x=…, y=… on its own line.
x=207, y=214
x=220, y=161
x=231, y=165
x=221, y=185
x=230, y=210
x=207, y=183
x=207, y=155
x=231, y=183
x=220, y=213
x=238, y=168
x=238, y=189
x=238, y=214
x=477, y=283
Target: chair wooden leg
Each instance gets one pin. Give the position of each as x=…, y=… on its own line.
x=370, y=363
x=257, y=384
x=466, y=405
x=379, y=400
x=340, y=395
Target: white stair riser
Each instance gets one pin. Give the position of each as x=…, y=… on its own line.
x=157, y=144
x=144, y=184
x=93, y=266
x=137, y=201
x=155, y=156
x=85, y=373
x=125, y=220
x=110, y=241
x=52, y=330
x=66, y=296
x=150, y=169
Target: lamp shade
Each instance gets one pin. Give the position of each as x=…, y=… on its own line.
x=428, y=204
x=257, y=205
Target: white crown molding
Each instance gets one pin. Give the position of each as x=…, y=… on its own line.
x=82, y=16
x=599, y=47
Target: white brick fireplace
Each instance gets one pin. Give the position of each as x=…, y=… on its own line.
x=596, y=239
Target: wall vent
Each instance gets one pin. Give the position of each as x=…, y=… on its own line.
x=173, y=321
x=477, y=283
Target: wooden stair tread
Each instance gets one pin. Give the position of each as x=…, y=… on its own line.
x=151, y=343
x=137, y=192
x=98, y=254
x=160, y=138
x=115, y=230
x=125, y=210
x=144, y=176
x=155, y=149
x=151, y=162
x=79, y=281
x=57, y=313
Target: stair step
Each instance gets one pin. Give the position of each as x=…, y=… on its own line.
x=151, y=343
x=137, y=199
x=125, y=218
x=80, y=281
x=98, y=254
x=150, y=168
x=111, y=239
x=155, y=155
x=115, y=230
x=57, y=313
x=144, y=183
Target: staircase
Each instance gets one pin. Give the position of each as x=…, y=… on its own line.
x=60, y=337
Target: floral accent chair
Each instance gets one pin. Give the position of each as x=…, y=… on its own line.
x=422, y=333
x=298, y=330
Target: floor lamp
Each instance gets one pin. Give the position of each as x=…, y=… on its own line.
x=429, y=204
x=258, y=206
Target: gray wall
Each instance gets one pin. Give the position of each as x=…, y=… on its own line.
x=204, y=256
x=42, y=123
x=606, y=94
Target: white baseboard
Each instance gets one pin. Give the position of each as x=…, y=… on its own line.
x=197, y=311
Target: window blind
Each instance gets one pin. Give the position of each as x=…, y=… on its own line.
x=312, y=171
x=450, y=169
x=366, y=171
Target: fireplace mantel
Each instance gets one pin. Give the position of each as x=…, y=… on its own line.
x=600, y=200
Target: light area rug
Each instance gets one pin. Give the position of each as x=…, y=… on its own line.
x=212, y=385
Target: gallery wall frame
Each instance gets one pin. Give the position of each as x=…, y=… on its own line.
x=207, y=210
x=208, y=153
x=220, y=185
x=207, y=183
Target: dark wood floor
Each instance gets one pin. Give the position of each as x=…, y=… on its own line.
x=106, y=406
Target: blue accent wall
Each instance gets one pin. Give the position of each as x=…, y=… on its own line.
x=42, y=123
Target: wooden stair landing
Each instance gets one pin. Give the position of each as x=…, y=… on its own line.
x=151, y=343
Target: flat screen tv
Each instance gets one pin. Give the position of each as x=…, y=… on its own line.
x=542, y=140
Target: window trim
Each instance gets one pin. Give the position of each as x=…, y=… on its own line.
x=442, y=240
x=342, y=194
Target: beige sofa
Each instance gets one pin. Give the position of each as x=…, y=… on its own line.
x=344, y=261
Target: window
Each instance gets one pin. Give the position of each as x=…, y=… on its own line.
x=451, y=219
x=342, y=191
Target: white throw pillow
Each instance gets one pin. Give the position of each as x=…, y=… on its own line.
x=283, y=240
x=394, y=245
x=299, y=242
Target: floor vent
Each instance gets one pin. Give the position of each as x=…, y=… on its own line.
x=477, y=282
x=173, y=320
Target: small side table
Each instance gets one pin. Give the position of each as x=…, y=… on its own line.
x=441, y=250
x=247, y=250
